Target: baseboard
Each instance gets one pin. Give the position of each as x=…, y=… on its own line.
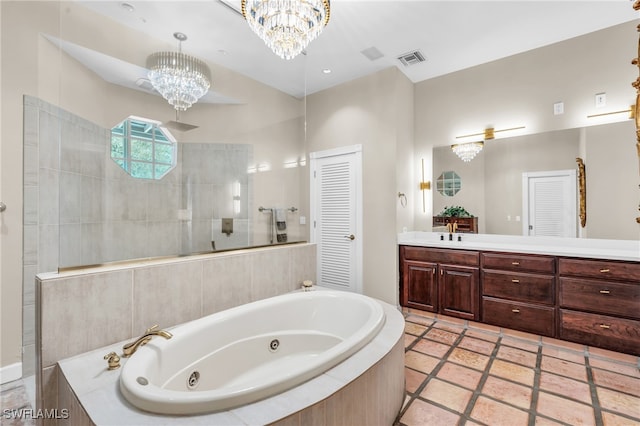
x=10, y=373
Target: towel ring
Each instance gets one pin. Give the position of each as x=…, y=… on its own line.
x=403, y=199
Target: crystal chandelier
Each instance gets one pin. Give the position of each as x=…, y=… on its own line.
x=287, y=26
x=467, y=151
x=181, y=79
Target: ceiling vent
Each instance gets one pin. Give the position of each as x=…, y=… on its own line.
x=411, y=58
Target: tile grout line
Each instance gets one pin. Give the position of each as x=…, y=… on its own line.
x=483, y=379
x=533, y=407
x=595, y=401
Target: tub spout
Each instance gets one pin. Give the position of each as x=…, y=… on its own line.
x=130, y=348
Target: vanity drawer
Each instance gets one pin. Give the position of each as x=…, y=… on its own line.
x=519, y=262
x=536, y=319
x=452, y=256
x=601, y=269
x=602, y=296
x=618, y=334
x=519, y=286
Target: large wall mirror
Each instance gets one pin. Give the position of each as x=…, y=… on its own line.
x=493, y=189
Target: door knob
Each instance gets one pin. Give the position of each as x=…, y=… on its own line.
x=3, y=206
x=351, y=237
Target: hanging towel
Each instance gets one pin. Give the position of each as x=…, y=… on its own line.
x=281, y=225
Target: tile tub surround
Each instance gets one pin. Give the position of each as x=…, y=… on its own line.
x=367, y=388
x=555, y=246
x=81, y=310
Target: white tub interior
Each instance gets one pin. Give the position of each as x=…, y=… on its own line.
x=233, y=354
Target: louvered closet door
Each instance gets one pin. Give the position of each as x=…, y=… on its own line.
x=334, y=183
x=551, y=203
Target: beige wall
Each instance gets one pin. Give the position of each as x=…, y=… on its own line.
x=520, y=91
x=371, y=111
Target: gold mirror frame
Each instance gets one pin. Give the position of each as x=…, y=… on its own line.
x=636, y=109
x=582, y=180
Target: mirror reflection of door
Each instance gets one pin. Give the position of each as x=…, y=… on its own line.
x=549, y=203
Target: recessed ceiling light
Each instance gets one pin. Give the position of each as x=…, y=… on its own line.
x=326, y=71
x=128, y=7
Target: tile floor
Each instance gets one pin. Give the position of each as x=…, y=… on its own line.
x=16, y=401
x=465, y=373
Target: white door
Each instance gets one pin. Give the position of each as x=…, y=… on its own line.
x=549, y=203
x=336, y=216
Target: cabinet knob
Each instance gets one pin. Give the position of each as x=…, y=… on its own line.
x=515, y=311
x=605, y=292
x=605, y=326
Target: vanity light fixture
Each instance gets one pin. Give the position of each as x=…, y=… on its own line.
x=468, y=151
x=286, y=26
x=631, y=111
x=180, y=79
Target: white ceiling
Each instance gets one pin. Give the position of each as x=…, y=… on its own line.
x=452, y=35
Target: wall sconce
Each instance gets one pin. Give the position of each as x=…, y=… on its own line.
x=631, y=111
x=424, y=186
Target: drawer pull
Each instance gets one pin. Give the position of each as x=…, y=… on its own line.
x=605, y=326
x=515, y=310
x=604, y=271
x=605, y=291
x=516, y=263
x=515, y=281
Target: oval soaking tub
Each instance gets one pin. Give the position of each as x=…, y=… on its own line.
x=250, y=352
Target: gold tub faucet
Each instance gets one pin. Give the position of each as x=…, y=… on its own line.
x=130, y=348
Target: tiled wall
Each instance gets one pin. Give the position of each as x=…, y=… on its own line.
x=88, y=309
x=80, y=208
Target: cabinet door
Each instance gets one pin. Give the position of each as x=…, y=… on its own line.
x=419, y=289
x=459, y=291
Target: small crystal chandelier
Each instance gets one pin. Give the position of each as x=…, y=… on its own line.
x=287, y=26
x=181, y=79
x=467, y=151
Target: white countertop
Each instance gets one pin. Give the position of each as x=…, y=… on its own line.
x=628, y=250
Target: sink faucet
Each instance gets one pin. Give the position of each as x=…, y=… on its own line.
x=130, y=348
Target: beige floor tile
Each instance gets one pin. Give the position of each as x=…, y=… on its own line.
x=619, y=402
x=460, y=375
x=415, y=329
x=469, y=359
x=617, y=367
x=521, y=335
x=418, y=319
x=408, y=339
x=496, y=413
x=561, y=353
x=488, y=329
x=565, y=410
x=565, y=386
x=615, y=356
x=564, y=368
x=543, y=421
x=508, y=392
x=612, y=419
x=563, y=344
x=413, y=379
x=452, y=322
x=619, y=382
x=442, y=336
x=430, y=347
x=514, y=372
x=521, y=344
x=443, y=393
x=422, y=413
x=420, y=362
x=477, y=345
x=518, y=356
x=487, y=335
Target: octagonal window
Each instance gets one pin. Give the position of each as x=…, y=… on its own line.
x=142, y=148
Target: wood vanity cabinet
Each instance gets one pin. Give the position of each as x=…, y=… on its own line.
x=518, y=292
x=600, y=303
x=440, y=280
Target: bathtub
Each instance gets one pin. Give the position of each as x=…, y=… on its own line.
x=249, y=353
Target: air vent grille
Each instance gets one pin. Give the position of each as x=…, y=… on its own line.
x=411, y=58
